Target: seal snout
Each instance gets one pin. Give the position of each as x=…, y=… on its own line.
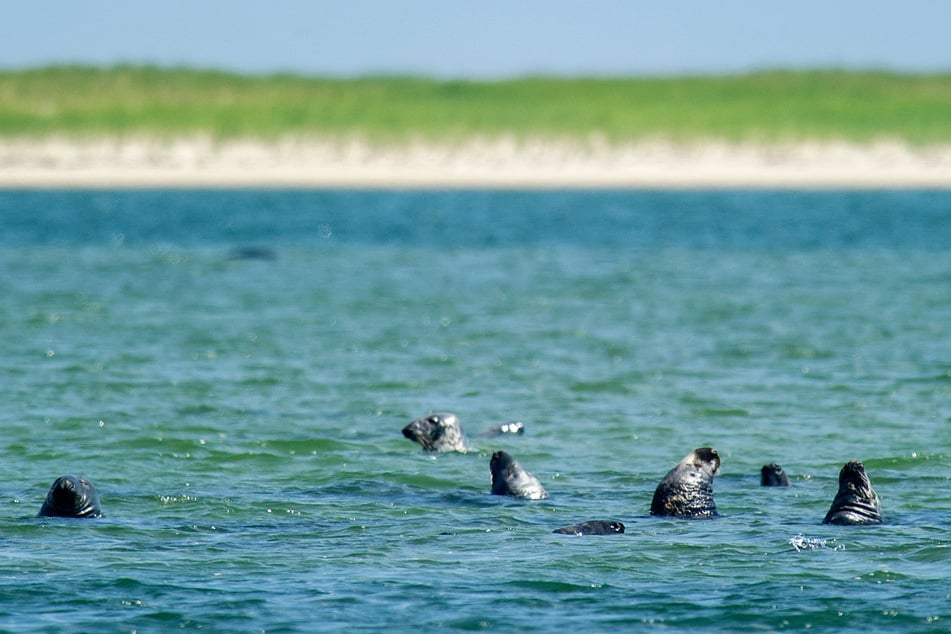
x=853, y=471
x=854, y=478
x=64, y=491
x=708, y=456
x=772, y=475
x=853, y=467
x=65, y=484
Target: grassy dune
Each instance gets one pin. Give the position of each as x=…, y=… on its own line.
x=760, y=107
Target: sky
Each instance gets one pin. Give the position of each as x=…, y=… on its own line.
x=481, y=39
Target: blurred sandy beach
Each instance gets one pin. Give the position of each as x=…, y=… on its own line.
x=202, y=162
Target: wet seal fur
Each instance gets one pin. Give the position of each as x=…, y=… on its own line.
x=687, y=489
x=509, y=478
x=440, y=431
x=71, y=496
x=856, y=501
x=772, y=475
x=593, y=527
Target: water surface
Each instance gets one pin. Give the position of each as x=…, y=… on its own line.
x=232, y=370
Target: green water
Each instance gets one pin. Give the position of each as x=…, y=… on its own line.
x=241, y=417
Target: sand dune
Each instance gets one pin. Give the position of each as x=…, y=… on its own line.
x=201, y=162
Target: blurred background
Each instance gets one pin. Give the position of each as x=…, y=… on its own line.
x=487, y=39
x=596, y=76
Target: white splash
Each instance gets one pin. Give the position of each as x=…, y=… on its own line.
x=801, y=542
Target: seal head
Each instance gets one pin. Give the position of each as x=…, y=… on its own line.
x=593, y=527
x=438, y=432
x=772, y=475
x=687, y=489
x=856, y=502
x=509, y=478
x=71, y=496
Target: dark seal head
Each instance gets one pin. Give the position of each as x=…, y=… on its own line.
x=687, y=489
x=438, y=432
x=772, y=475
x=71, y=496
x=856, y=502
x=509, y=478
x=594, y=527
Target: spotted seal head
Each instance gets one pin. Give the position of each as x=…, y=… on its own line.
x=438, y=432
x=772, y=475
x=71, y=496
x=856, y=501
x=509, y=478
x=593, y=527
x=687, y=489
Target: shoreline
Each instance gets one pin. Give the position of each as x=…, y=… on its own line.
x=496, y=163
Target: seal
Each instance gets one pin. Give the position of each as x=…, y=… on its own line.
x=687, y=489
x=509, y=478
x=252, y=253
x=514, y=428
x=71, y=496
x=438, y=432
x=772, y=475
x=593, y=527
x=856, y=501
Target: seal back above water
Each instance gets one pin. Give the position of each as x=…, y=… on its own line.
x=593, y=527
x=772, y=475
x=687, y=489
x=440, y=431
x=71, y=496
x=509, y=478
x=856, y=501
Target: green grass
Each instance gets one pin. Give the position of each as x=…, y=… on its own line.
x=760, y=107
